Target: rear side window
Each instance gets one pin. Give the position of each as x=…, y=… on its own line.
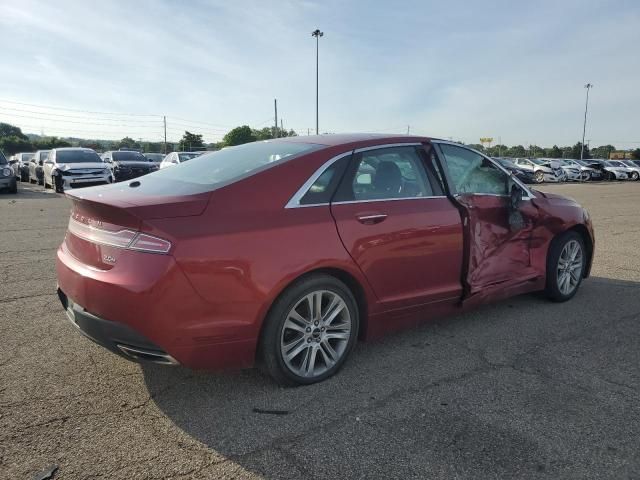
x=322, y=189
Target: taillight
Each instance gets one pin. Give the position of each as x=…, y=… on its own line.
x=127, y=239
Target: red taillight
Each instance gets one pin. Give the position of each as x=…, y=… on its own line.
x=128, y=239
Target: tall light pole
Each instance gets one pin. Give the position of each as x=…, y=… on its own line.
x=588, y=86
x=317, y=33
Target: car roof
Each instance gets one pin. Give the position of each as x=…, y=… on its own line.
x=331, y=140
x=71, y=149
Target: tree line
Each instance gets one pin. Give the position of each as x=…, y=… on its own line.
x=13, y=140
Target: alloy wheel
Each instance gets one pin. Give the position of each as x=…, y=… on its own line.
x=635, y=176
x=569, y=269
x=539, y=176
x=316, y=333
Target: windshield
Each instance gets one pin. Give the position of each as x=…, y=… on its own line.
x=217, y=169
x=187, y=156
x=154, y=157
x=77, y=156
x=128, y=157
x=537, y=161
x=27, y=156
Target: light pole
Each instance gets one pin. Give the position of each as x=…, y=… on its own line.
x=588, y=86
x=317, y=33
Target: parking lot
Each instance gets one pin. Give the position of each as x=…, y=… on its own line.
x=523, y=388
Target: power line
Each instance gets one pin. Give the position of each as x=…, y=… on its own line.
x=66, y=116
x=34, y=117
x=83, y=111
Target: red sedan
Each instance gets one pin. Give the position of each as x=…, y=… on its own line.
x=284, y=253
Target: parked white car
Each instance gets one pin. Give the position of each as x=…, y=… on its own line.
x=576, y=172
x=616, y=170
x=175, y=158
x=542, y=170
x=75, y=167
x=634, y=167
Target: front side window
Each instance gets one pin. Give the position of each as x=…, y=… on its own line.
x=470, y=172
x=386, y=173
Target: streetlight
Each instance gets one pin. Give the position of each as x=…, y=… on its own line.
x=588, y=86
x=317, y=33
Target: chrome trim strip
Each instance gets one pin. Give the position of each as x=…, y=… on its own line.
x=346, y=202
x=294, y=202
x=526, y=189
x=156, y=357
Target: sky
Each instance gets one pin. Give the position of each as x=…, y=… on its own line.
x=514, y=71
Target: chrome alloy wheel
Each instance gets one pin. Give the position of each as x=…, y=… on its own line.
x=316, y=333
x=569, y=267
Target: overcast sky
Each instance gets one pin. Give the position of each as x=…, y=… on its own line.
x=510, y=70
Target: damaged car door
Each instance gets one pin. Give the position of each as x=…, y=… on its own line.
x=497, y=223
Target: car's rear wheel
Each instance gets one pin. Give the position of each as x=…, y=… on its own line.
x=309, y=331
x=635, y=175
x=565, y=266
x=539, y=176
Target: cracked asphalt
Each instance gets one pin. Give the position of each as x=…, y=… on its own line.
x=522, y=388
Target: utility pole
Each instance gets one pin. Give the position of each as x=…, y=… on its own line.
x=275, y=107
x=308, y=132
x=588, y=86
x=282, y=127
x=317, y=33
x=164, y=119
x=408, y=128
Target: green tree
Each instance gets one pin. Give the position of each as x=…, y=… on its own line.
x=238, y=136
x=47, y=143
x=516, y=151
x=602, y=151
x=127, y=142
x=13, y=144
x=191, y=141
x=7, y=130
x=553, y=152
x=636, y=154
x=576, y=151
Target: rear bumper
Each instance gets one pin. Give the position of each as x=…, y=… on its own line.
x=145, y=302
x=116, y=337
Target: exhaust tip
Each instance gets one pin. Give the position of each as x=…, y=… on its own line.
x=152, y=356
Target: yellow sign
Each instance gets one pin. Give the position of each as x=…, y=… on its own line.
x=484, y=140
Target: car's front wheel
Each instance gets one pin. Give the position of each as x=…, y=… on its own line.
x=539, y=176
x=565, y=266
x=309, y=331
x=635, y=176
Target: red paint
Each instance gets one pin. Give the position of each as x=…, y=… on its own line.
x=236, y=249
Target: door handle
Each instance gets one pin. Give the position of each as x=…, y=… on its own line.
x=371, y=219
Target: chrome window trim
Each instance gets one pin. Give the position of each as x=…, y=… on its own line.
x=294, y=201
x=529, y=194
x=346, y=202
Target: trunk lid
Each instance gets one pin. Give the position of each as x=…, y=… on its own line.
x=103, y=219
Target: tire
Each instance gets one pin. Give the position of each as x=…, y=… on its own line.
x=610, y=176
x=635, y=176
x=564, y=270
x=538, y=176
x=305, y=335
x=585, y=176
x=14, y=189
x=55, y=185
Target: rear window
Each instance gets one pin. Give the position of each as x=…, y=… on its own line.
x=77, y=156
x=128, y=157
x=27, y=156
x=216, y=169
x=187, y=156
x=44, y=155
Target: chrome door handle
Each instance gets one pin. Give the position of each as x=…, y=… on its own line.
x=371, y=219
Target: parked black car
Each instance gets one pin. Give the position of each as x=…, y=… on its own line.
x=128, y=164
x=8, y=180
x=527, y=176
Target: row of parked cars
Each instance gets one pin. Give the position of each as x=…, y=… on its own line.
x=539, y=170
x=65, y=168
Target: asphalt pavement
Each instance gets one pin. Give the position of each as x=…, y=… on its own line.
x=523, y=388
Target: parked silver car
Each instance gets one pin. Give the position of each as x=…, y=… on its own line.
x=75, y=167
